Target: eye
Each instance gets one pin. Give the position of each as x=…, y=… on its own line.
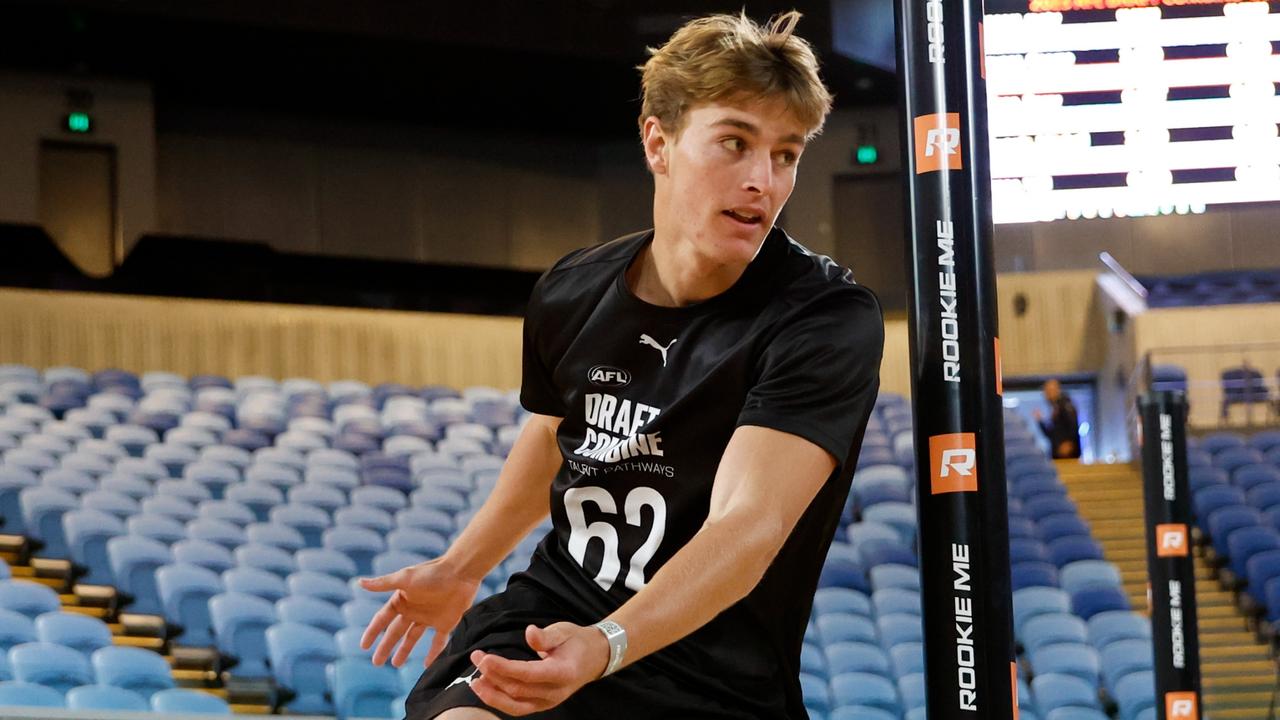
x=734, y=144
x=786, y=158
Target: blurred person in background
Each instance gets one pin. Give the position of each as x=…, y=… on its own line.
x=1063, y=426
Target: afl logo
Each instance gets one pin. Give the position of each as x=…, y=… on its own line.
x=608, y=376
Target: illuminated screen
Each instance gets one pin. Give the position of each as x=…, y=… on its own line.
x=1159, y=109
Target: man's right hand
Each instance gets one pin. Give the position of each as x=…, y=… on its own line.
x=427, y=595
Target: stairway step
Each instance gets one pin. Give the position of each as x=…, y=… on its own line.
x=1232, y=652
x=1232, y=683
x=149, y=643
x=1235, y=713
x=1222, y=622
x=1223, y=668
x=1239, y=698
x=1217, y=611
x=1240, y=638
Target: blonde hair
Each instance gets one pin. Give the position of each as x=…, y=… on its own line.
x=728, y=58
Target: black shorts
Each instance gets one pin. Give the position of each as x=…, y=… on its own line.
x=497, y=625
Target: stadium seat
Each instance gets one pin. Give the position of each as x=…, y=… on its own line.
x=364, y=516
x=1244, y=543
x=310, y=611
x=72, y=481
x=1225, y=520
x=1071, y=712
x=253, y=581
x=1032, y=601
x=266, y=557
x=907, y=658
x=240, y=623
x=54, y=666
x=326, y=562
x=1080, y=574
x=423, y=542
x=258, y=497
x=1057, y=526
x=172, y=507
x=281, y=536
x=81, y=633
x=358, y=543
x=859, y=712
x=1051, y=629
x=105, y=697
x=1125, y=657
x=134, y=561
x=865, y=689
x=185, y=591
x=845, y=627
x=1108, y=627
x=897, y=628
x=1029, y=550
x=843, y=657
x=226, y=511
x=299, y=655
x=1248, y=476
x=20, y=694
x=1034, y=574
x=911, y=689
x=28, y=598
x=1092, y=600
x=86, y=533
x=193, y=702
x=13, y=480
x=131, y=486
x=318, y=585
x=836, y=599
x=360, y=689
x=1069, y=658
x=15, y=629
x=1134, y=693
x=142, y=671
x=205, y=554
x=42, y=511
x=309, y=521
x=1055, y=690
x=816, y=694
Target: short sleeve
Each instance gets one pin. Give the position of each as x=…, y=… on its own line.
x=537, y=391
x=819, y=376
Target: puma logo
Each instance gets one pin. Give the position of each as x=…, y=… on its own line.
x=464, y=679
x=646, y=340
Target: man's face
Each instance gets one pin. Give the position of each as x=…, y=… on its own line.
x=729, y=173
x=1052, y=391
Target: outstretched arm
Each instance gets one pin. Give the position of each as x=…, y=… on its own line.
x=765, y=481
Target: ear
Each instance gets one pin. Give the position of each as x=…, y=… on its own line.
x=655, y=143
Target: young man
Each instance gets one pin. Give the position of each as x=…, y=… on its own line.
x=700, y=392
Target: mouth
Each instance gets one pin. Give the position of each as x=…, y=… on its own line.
x=744, y=217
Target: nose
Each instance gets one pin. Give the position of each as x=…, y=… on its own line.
x=759, y=178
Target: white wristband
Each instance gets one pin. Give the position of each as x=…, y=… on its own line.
x=617, y=638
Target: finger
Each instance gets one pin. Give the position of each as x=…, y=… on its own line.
x=383, y=583
x=390, y=610
x=544, y=640
x=438, y=642
x=406, y=645
x=546, y=672
x=395, y=631
x=499, y=700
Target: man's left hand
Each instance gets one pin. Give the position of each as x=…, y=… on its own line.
x=571, y=656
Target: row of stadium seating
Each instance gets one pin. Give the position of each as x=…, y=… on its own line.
x=1235, y=484
x=1212, y=288
x=233, y=510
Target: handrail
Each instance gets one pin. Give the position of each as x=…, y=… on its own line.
x=1115, y=267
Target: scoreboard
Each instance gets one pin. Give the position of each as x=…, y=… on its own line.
x=1115, y=108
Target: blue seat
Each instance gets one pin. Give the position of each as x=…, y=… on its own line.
x=15, y=629
x=422, y=542
x=880, y=552
x=326, y=562
x=185, y=591
x=205, y=554
x=1071, y=712
x=1041, y=507
x=1080, y=574
x=1108, y=627
x=279, y=476
x=1215, y=443
x=229, y=511
x=362, y=690
x=73, y=481
x=359, y=612
x=845, y=627
x=1264, y=496
x=128, y=485
x=1245, y=542
x=258, y=497
x=28, y=598
x=1208, y=499
x=1135, y=692
x=896, y=600
x=1259, y=570
x=1055, y=690
x=1233, y=458
x=1199, y=478
x=1057, y=526
x=861, y=712
x=1051, y=629
x=890, y=575
x=1067, y=550
x=1068, y=658
x=214, y=476
x=912, y=690
x=865, y=689
x=310, y=611
x=55, y=666
x=42, y=511
x=156, y=527
x=898, y=628
x=1197, y=458
x=105, y=501
x=81, y=633
x=835, y=599
x=1092, y=600
x=281, y=536
x=169, y=506
x=1021, y=528
x=105, y=697
x=359, y=544
x=844, y=574
x=318, y=585
x=13, y=480
x=86, y=533
x=365, y=516
x=253, y=581
x=907, y=658
x=901, y=516
x=134, y=561
x=816, y=694
x=266, y=557
x=1225, y=520
x=142, y=671
x=193, y=702
x=21, y=694
x=843, y=657
x=1027, y=550
x=299, y=654
x=393, y=560
x=1032, y=601
x=383, y=498
x=1125, y=657
x=227, y=534
x=1034, y=574
x=348, y=642
x=1249, y=476
x=325, y=497
x=240, y=623
x=309, y=521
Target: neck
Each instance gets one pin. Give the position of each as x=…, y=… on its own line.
x=671, y=272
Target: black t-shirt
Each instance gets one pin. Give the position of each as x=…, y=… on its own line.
x=650, y=397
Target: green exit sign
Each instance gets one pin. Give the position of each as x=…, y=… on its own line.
x=866, y=155
x=78, y=122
